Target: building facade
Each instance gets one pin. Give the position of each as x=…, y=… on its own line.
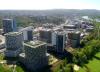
x=74, y=39
x=27, y=33
x=9, y=25
x=60, y=42
x=46, y=35
x=14, y=44
x=35, y=55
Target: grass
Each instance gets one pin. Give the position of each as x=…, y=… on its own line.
x=19, y=69
x=1, y=57
x=93, y=65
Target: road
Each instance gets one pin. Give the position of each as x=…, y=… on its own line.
x=2, y=50
x=3, y=39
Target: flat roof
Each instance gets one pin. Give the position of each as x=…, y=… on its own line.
x=13, y=33
x=70, y=25
x=61, y=33
x=34, y=44
x=27, y=28
x=7, y=19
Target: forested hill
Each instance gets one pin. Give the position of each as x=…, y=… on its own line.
x=36, y=17
x=49, y=12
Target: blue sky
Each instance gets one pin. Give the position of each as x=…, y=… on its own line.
x=49, y=4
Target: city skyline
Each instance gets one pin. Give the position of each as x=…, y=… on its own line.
x=48, y=4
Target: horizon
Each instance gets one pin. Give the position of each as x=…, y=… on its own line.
x=41, y=9
x=48, y=4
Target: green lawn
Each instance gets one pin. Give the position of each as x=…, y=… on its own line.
x=1, y=56
x=93, y=65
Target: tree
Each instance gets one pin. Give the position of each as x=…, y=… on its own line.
x=65, y=61
x=68, y=68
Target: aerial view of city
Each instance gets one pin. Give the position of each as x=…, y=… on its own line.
x=49, y=36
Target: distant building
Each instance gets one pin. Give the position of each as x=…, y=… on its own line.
x=14, y=44
x=48, y=25
x=69, y=26
x=9, y=25
x=27, y=33
x=35, y=55
x=90, y=29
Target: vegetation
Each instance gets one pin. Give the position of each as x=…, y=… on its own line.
x=4, y=68
x=1, y=57
x=86, y=57
x=64, y=67
x=25, y=21
x=19, y=69
x=81, y=56
x=93, y=65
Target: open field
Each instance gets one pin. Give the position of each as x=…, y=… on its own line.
x=93, y=65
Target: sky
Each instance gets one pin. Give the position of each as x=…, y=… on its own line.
x=48, y=4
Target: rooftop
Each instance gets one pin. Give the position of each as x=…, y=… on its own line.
x=7, y=19
x=60, y=32
x=74, y=32
x=70, y=25
x=34, y=44
x=46, y=29
x=13, y=33
x=27, y=28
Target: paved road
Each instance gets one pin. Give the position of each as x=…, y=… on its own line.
x=2, y=50
x=3, y=39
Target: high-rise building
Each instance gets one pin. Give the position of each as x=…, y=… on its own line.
x=46, y=35
x=9, y=25
x=14, y=44
x=74, y=39
x=60, y=42
x=35, y=55
x=27, y=33
x=54, y=38
x=30, y=35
